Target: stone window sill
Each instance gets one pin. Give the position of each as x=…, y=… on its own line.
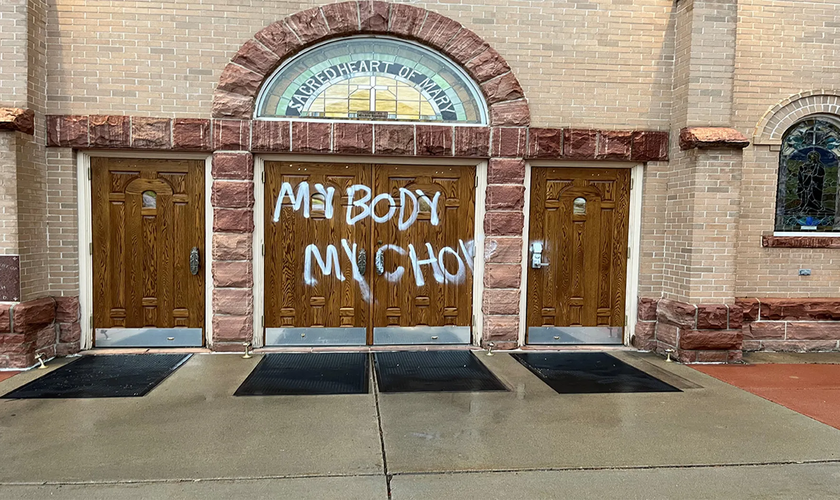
x=769, y=241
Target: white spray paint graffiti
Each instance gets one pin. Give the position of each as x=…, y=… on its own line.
x=301, y=200
x=365, y=206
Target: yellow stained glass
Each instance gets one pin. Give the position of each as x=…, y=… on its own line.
x=336, y=106
x=408, y=108
x=359, y=105
x=336, y=91
x=390, y=106
x=371, y=93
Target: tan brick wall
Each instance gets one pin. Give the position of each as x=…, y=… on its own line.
x=13, y=62
x=8, y=194
x=600, y=64
x=784, y=48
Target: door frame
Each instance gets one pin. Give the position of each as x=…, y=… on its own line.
x=634, y=234
x=259, y=221
x=84, y=206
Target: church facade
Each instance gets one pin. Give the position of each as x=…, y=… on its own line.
x=388, y=175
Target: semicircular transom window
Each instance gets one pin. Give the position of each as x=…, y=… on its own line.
x=807, y=199
x=372, y=78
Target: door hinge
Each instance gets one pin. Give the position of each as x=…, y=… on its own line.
x=263, y=176
x=631, y=184
x=263, y=249
x=628, y=253
x=626, y=321
x=262, y=321
x=90, y=248
x=90, y=173
x=90, y=321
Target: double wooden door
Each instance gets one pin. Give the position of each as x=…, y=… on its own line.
x=359, y=254
x=148, y=251
x=577, y=257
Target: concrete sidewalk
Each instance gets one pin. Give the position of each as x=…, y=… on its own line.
x=190, y=438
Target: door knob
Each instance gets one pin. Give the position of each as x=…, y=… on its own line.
x=536, y=255
x=361, y=261
x=195, y=261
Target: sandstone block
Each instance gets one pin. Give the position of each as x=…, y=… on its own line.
x=232, y=220
x=509, y=142
x=472, y=141
x=502, y=275
x=501, y=301
x=232, y=246
x=232, y=328
x=191, y=134
x=270, y=136
x=710, y=340
x=109, y=131
x=505, y=171
x=67, y=309
x=503, y=249
x=433, y=140
x=233, y=194
x=233, y=166
x=33, y=315
x=151, y=133
x=233, y=301
x=311, y=137
x=545, y=143
x=232, y=274
x=394, y=139
x=504, y=223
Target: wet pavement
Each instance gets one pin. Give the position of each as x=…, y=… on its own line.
x=191, y=438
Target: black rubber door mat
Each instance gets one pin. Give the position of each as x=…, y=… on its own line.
x=103, y=376
x=433, y=371
x=308, y=374
x=590, y=373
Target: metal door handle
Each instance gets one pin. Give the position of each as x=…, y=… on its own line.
x=536, y=255
x=195, y=261
x=379, y=262
x=361, y=261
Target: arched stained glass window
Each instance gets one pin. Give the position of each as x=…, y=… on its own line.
x=808, y=177
x=372, y=78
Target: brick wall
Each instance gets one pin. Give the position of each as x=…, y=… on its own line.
x=170, y=55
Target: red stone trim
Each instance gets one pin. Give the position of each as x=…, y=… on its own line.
x=769, y=241
x=257, y=59
x=305, y=136
x=48, y=325
x=17, y=119
x=712, y=137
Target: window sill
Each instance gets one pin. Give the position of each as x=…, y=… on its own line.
x=770, y=241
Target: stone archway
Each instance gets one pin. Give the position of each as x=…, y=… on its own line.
x=257, y=59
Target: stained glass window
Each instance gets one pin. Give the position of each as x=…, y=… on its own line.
x=372, y=78
x=808, y=177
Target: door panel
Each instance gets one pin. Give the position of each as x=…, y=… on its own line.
x=424, y=254
x=148, y=219
x=576, y=286
x=316, y=262
x=342, y=267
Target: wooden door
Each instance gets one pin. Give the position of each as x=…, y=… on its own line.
x=317, y=249
x=424, y=252
x=148, y=216
x=580, y=216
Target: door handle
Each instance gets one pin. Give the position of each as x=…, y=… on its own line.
x=536, y=255
x=379, y=262
x=195, y=261
x=361, y=261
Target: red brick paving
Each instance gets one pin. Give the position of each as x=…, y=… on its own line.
x=810, y=389
x=7, y=375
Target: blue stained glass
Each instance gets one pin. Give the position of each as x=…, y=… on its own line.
x=807, y=198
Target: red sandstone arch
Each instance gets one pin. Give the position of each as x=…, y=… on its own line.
x=257, y=59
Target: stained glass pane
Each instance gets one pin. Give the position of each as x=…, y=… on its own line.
x=372, y=78
x=149, y=199
x=807, y=199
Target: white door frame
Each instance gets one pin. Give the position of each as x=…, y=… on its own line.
x=634, y=233
x=85, y=218
x=259, y=229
